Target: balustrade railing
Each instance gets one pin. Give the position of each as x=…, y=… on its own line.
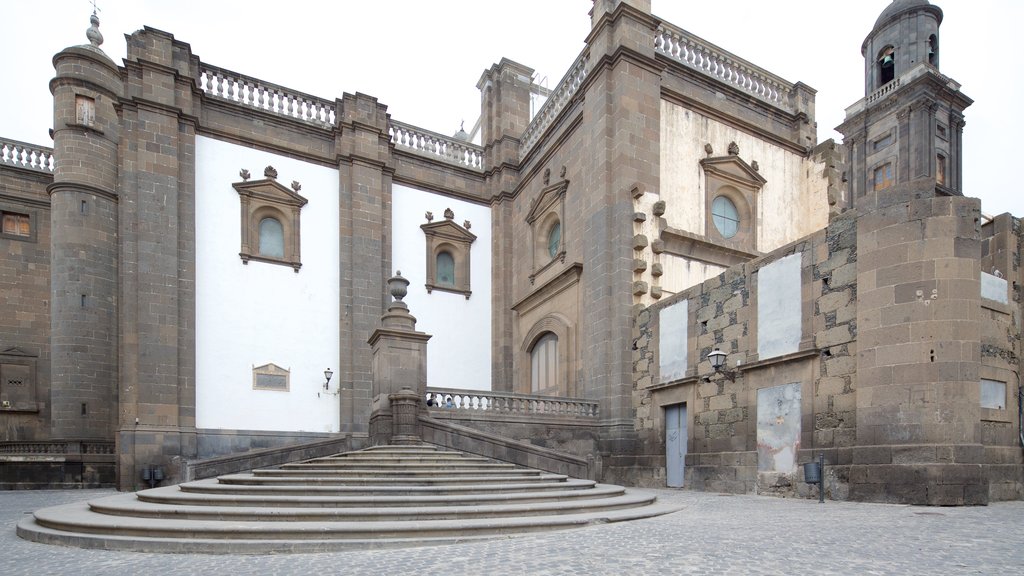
x=265, y=96
x=508, y=403
x=62, y=447
x=23, y=155
x=436, y=145
x=705, y=57
x=556, y=102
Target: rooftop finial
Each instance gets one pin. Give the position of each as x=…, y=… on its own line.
x=93, y=33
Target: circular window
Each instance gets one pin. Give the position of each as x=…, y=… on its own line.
x=725, y=216
x=554, y=239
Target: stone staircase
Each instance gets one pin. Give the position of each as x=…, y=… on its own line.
x=386, y=496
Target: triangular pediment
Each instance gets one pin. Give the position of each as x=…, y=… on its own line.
x=449, y=230
x=547, y=198
x=270, y=190
x=734, y=169
x=271, y=369
x=15, y=351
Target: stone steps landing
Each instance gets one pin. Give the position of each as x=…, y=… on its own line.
x=390, y=496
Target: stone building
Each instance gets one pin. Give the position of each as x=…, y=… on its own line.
x=197, y=273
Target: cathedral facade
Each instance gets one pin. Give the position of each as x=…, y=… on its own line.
x=197, y=271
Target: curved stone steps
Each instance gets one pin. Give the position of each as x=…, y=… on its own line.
x=303, y=510
x=303, y=498
x=382, y=479
x=215, y=487
x=366, y=511
x=342, y=465
x=76, y=524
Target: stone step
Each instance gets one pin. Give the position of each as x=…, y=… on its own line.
x=76, y=525
x=212, y=486
x=380, y=479
x=422, y=472
x=218, y=496
x=130, y=506
x=320, y=464
x=319, y=506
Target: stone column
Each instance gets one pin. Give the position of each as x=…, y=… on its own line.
x=399, y=371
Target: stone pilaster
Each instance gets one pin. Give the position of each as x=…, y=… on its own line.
x=157, y=251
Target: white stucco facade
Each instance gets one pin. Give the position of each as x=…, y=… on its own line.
x=249, y=315
x=792, y=204
x=459, y=354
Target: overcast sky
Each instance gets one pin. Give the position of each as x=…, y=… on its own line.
x=422, y=59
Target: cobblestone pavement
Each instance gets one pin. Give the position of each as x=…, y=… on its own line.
x=713, y=534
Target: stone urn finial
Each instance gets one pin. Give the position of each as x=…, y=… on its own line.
x=399, y=287
x=93, y=33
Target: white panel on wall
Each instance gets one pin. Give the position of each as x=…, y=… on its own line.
x=779, y=307
x=778, y=428
x=672, y=331
x=459, y=354
x=249, y=315
x=993, y=394
x=994, y=288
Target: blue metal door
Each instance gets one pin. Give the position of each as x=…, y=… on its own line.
x=675, y=444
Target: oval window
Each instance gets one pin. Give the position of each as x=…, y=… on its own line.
x=725, y=216
x=554, y=239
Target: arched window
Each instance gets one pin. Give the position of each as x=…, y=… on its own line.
x=886, y=66
x=271, y=238
x=725, y=216
x=933, y=50
x=554, y=239
x=544, y=362
x=444, y=269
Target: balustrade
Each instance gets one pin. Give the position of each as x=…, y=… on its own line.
x=556, y=102
x=703, y=56
x=436, y=146
x=507, y=403
x=22, y=155
x=265, y=96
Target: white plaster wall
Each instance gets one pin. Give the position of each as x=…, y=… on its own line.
x=673, y=322
x=778, y=307
x=459, y=354
x=682, y=273
x=250, y=315
x=792, y=204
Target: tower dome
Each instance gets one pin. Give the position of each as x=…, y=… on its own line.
x=905, y=35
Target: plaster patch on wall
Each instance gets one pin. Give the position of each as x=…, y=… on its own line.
x=778, y=428
x=994, y=288
x=672, y=324
x=778, y=307
x=993, y=394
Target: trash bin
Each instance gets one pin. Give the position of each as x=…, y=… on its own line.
x=812, y=473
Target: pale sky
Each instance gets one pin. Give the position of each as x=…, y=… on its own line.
x=422, y=59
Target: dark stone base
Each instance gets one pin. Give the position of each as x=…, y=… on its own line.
x=920, y=484
x=17, y=473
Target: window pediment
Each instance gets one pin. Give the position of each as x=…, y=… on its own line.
x=267, y=199
x=448, y=254
x=547, y=199
x=734, y=170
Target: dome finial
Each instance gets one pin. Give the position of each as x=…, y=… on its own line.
x=93, y=33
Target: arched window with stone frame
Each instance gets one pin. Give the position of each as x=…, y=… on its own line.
x=270, y=220
x=448, y=253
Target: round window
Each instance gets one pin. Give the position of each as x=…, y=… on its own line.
x=725, y=216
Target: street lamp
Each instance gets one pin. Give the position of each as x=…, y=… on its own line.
x=717, y=359
x=327, y=376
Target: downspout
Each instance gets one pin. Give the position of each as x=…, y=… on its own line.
x=1020, y=412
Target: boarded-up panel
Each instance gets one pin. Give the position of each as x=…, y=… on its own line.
x=778, y=308
x=778, y=428
x=672, y=341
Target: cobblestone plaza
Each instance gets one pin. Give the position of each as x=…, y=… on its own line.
x=713, y=534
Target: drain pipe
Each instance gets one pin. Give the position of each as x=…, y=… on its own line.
x=1020, y=412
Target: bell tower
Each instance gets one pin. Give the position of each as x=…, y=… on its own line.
x=906, y=133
